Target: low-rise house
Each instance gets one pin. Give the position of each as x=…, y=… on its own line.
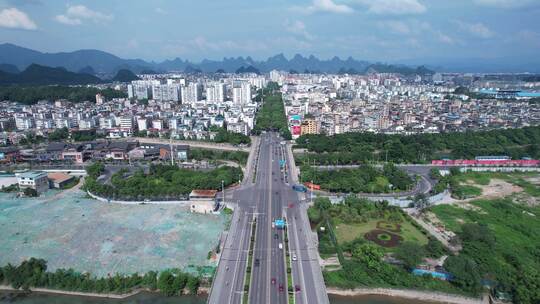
x=58, y=180
x=9, y=154
x=73, y=153
x=36, y=180
x=55, y=150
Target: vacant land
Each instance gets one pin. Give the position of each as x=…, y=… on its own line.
x=71, y=231
x=500, y=239
x=522, y=187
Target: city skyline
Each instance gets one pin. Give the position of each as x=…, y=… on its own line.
x=395, y=31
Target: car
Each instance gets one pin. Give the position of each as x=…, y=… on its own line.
x=280, y=245
x=257, y=262
x=276, y=236
x=281, y=288
x=296, y=288
x=273, y=281
x=294, y=257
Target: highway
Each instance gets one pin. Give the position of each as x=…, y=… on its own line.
x=268, y=198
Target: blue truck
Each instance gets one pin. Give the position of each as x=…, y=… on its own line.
x=299, y=188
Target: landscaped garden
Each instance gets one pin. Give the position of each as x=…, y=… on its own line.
x=384, y=233
x=362, y=234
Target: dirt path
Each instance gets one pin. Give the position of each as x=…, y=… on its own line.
x=408, y=294
x=76, y=293
x=63, y=193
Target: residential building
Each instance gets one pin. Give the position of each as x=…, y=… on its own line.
x=34, y=180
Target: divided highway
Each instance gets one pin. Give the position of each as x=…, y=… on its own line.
x=270, y=197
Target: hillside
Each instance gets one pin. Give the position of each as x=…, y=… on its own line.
x=41, y=75
x=101, y=62
x=125, y=76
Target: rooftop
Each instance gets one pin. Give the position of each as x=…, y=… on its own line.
x=59, y=177
x=31, y=174
x=203, y=193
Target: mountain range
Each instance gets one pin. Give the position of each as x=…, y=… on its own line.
x=14, y=58
x=43, y=75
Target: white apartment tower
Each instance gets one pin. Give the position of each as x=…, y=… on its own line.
x=215, y=92
x=166, y=92
x=241, y=92
x=192, y=93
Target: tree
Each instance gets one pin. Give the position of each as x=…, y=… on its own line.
x=150, y=280
x=411, y=254
x=322, y=203
x=193, y=285
x=165, y=283
x=465, y=272
x=369, y=254
x=434, y=248
x=472, y=232
x=59, y=134
x=421, y=201
x=29, y=192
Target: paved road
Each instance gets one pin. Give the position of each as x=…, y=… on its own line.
x=195, y=144
x=268, y=198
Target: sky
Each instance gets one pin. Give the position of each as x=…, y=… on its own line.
x=375, y=30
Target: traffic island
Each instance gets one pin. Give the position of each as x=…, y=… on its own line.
x=290, y=287
x=249, y=267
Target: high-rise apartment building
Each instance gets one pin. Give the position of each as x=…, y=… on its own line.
x=192, y=93
x=166, y=92
x=241, y=92
x=216, y=92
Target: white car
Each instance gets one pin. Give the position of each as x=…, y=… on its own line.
x=294, y=258
x=280, y=246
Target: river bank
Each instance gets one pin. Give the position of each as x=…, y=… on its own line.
x=140, y=298
x=434, y=297
x=75, y=293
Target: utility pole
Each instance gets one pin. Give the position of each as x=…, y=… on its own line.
x=311, y=199
x=171, y=147
x=223, y=190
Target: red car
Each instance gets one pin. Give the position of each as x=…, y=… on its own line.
x=296, y=288
x=280, y=288
x=273, y=281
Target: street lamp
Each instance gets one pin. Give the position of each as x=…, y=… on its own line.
x=223, y=191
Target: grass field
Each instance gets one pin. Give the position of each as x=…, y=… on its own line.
x=510, y=222
x=349, y=232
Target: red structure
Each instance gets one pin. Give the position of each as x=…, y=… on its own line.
x=487, y=162
x=312, y=186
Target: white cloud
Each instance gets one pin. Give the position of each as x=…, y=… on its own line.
x=298, y=28
x=405, y=27
x=398, y=27
x=329, y=6
x=444, y=38
x=506, y=3
x=66, y=20
x=76, y=14
x=529, y=37
x=161, y=11
x=394, y=7
x=476, y=29
x=16, y=19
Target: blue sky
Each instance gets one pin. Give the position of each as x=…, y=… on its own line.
x=381, y=30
